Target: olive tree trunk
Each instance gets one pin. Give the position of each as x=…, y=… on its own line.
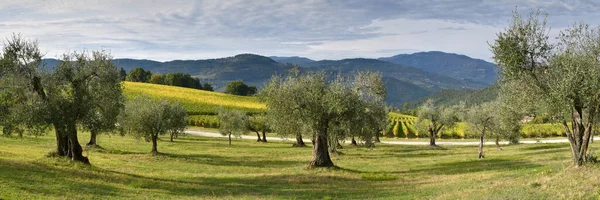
x=320, y=154
x=229, y=138
x=75, y=150
x=481, y=143
x=498, y=143
x=431, y=136
x=154, y=145
x=579, y=135
x=258, y=135
x=353, y=141
x=299, y=141
x=93, y=135
x=62, y=141
x=264, y=136
x=377, y=137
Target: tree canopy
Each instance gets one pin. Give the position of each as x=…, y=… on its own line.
x=563, y=78
x=83, y=89
x=311, y=104
x=239, y=88
x=148, y=118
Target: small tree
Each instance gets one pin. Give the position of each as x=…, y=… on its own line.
x=207, y=87
x=482, y=117
x=122, y=74
x=258, y=123
x=239, y=88
x=432, y=119
x=147, y=118
x=138, y=74
x=157, y=79
x=233, y=122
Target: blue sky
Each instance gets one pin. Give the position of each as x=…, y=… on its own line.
x=336, y=29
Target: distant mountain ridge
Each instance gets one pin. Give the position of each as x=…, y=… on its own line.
x=292, y=59
x=404, y=83
x=456, y=66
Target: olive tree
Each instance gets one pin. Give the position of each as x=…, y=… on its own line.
x=233, y=122
x=258, y=123
x=64, y=96
x=148, y=118
x=314, y=105
x=432, y=118
x=482, y=118
x=372, y=118
x=562, y=78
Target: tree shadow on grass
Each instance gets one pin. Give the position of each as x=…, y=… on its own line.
x=231, y=161
x=534, y=147
x=305, y=186
x=43, y=179
x=40, y=178
x=475, y=165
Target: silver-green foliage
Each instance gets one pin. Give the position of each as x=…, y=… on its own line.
x=148, y=118
x=563, y=79
x=432, y=118
x=325, y=110
x=233, y=122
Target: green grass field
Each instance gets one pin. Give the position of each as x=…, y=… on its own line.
x=198, y=168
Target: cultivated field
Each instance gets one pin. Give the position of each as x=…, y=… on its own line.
x=197, y=167
x=196, y=102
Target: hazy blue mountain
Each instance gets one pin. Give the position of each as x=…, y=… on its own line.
x=427, y=80
x=404, y=83
x=456, y=66
x=292, y=59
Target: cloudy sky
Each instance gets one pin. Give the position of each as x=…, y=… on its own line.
x=318, y=29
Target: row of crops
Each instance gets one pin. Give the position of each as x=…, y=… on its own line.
x=196, y=102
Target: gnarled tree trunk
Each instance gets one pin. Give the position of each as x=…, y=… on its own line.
x=62, y=140
x=320, y=152
x=264, y=136
x=377, y=137
x=93, y=135
x=579, y=135
x=353, y=141
x=75, y=149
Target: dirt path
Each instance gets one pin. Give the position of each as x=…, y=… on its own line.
x=252, y=137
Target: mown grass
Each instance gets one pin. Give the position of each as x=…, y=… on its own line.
x=198, y=168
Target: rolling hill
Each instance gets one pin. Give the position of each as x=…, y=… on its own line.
x=292, y=60
x=456, y=66
x=405, y=83
x=451, y=97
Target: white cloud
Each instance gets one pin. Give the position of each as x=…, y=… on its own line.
x=180, y=29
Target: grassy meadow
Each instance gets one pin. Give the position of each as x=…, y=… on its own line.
x=206, y=168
